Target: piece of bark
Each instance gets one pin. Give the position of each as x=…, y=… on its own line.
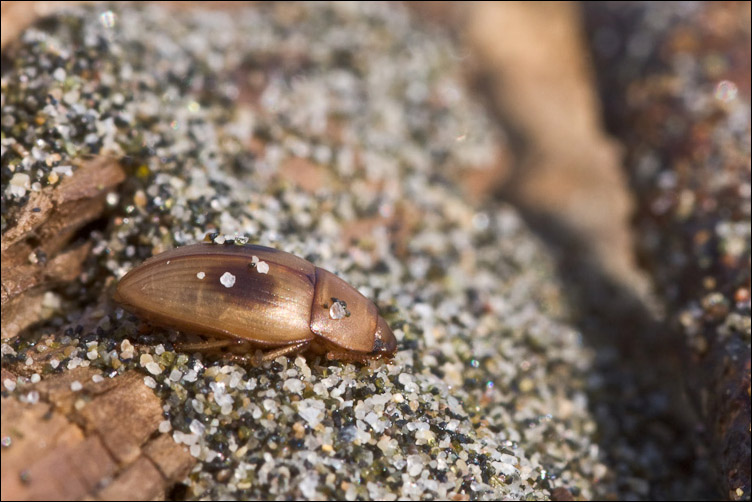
x=130, y=399
x=90, y=443
x=49, y=458
x=532, y=61
x=16, y=16
x=33, y=247
x=141, y=480
x=169, y=457
x=27, y=285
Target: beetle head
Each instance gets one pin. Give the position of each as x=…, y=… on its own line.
x=384, y=342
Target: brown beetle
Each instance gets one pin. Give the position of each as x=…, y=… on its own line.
x=255, y=296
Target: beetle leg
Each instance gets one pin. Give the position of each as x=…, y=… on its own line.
x=206, y=346
x=287, y=350
x=261, y=357
x=348, y=356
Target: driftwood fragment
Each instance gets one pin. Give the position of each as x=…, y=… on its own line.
x=532, y=62
x=96, y=442
x=35, y=248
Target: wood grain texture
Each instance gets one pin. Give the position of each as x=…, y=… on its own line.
x=35, y=247
x=95, y=443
